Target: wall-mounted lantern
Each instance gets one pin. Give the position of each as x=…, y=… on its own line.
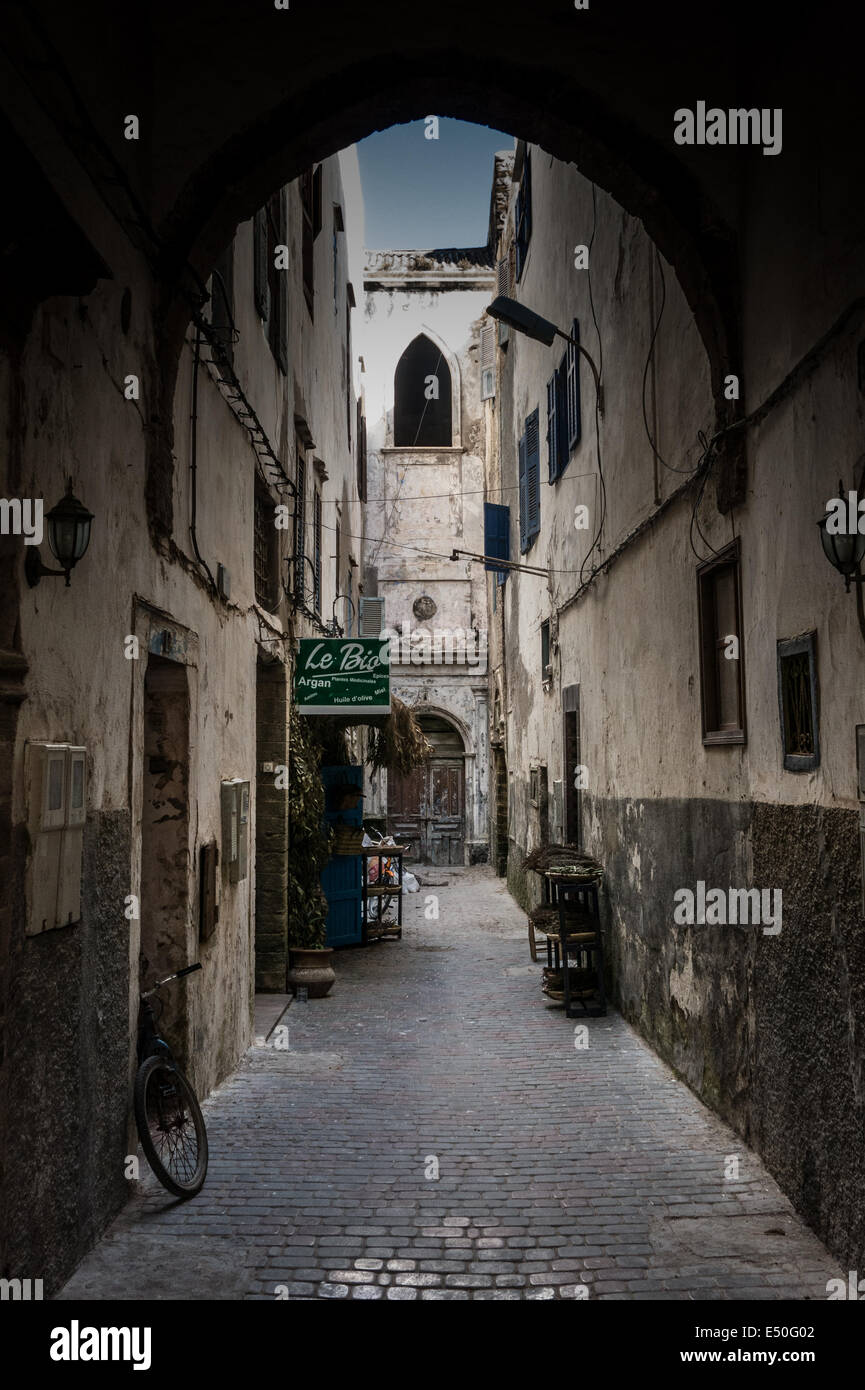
x=68, y=526
x=845, y=551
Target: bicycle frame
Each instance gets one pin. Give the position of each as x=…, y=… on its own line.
x=150, y=1044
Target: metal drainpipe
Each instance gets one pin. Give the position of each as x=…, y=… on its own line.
x=193, y=461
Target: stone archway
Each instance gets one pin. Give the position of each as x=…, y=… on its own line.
x=591, y=109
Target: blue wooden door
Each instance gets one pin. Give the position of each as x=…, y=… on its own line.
x=341, y=876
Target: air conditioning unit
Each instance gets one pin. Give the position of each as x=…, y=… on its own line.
x=488, y=361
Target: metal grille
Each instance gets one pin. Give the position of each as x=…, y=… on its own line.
x=263, y=551
x=797, y=704
x=317, y=542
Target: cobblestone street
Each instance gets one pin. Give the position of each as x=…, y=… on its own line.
x=563, y=1173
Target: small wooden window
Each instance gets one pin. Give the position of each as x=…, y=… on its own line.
x=797, y=702
x=722, y=660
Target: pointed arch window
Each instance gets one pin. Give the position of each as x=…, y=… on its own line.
x=422, y=397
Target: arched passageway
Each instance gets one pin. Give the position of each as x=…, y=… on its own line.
x=233, y=102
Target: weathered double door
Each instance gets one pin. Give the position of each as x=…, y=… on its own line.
x=428, y=808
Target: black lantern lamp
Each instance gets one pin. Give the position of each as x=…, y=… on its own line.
x=845, y=552
x=68, y=526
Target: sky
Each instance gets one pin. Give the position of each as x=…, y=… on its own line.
x=424, y=193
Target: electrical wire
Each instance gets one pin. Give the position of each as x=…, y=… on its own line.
x=469, y=492
x=650, y=354
x=419, y=550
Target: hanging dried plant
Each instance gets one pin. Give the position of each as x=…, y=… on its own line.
x=400, y=745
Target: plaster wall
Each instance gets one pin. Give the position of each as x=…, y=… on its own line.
x=72, y=992
x=660, y=808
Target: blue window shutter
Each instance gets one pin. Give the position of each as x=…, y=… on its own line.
x=524, y=510
x=552, y=428
x=573, y=356
x=533, y=475
x=497, y=533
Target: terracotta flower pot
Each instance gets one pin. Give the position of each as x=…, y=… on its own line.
x=312, y=969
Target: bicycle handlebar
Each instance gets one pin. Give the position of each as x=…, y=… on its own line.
x=178, y=974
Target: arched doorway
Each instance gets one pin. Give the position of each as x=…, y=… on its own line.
x=427, y=806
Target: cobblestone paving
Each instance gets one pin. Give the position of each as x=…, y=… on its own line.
x=563, y=1173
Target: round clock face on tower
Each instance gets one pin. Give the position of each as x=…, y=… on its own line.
x=424, y=607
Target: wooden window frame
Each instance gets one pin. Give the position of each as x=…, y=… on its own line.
x=713, y=734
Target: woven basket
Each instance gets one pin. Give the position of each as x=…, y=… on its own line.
x=347, y=839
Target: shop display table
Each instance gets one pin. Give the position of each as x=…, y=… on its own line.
x=388, y=885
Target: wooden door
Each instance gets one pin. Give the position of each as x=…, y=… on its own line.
x=445, y=830
x=573, y=832
x=427, y=807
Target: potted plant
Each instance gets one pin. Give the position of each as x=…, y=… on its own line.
x=308, y=852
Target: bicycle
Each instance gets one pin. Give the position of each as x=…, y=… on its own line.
x=167, y=1113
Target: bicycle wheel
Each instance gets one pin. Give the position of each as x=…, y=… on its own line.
x=170, y=1126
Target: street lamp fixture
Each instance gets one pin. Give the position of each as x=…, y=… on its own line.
x=68, y=525
x=526, y=321
x=845, y=551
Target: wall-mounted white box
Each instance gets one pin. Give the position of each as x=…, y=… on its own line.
x=234, y=799
x=56, y=779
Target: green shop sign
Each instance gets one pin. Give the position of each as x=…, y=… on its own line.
x=342, y=675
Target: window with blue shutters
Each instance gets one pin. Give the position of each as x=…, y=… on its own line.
x=533, y=476
x=523, y=215
x=563, y=409
x=497, y=537
x=524, y=510
x=530, y=482
x=557, y=424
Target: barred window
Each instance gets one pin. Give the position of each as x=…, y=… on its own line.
x=797, y=702
x=265, y=552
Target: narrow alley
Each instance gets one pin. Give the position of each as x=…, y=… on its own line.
x=563, y=1172
x=432, y=675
